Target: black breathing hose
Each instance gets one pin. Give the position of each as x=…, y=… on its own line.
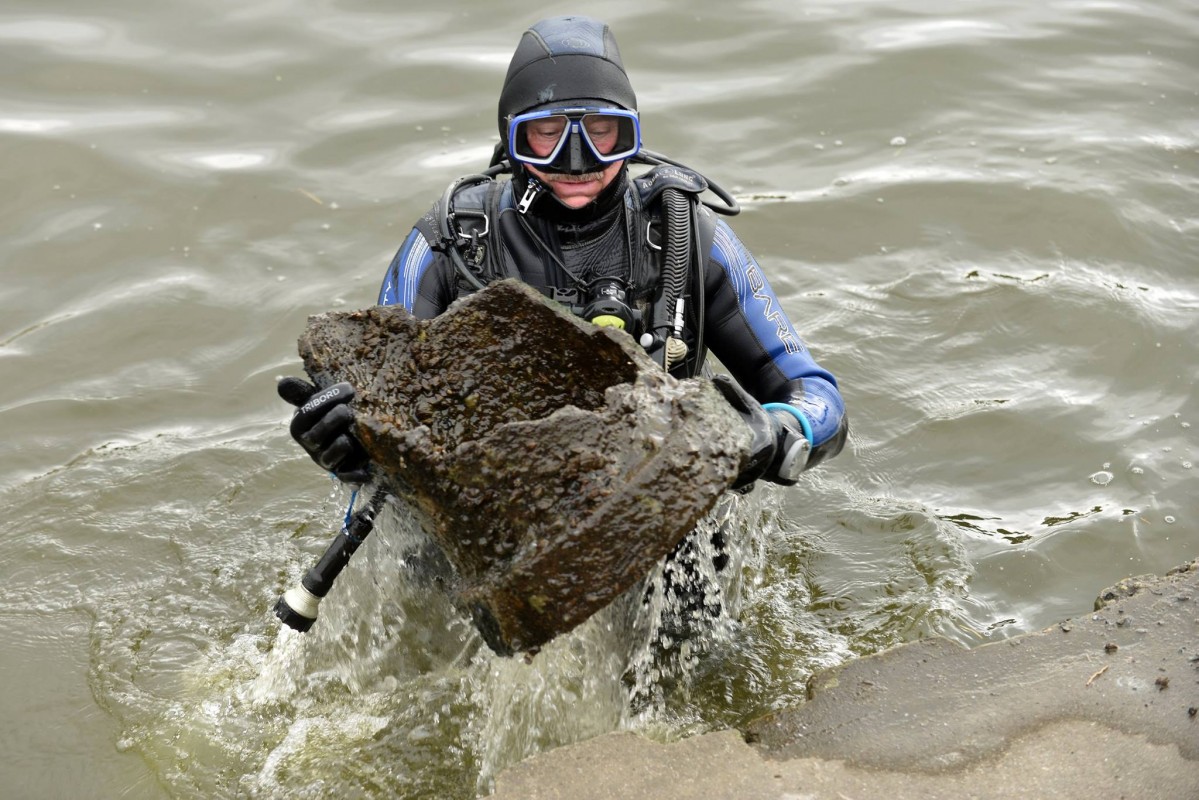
x=669, y=312
x=678, y=246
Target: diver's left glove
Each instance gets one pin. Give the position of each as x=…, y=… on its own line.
x=779, y=449
x=323, y=426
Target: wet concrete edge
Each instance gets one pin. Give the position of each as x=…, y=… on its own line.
x=1101, y=703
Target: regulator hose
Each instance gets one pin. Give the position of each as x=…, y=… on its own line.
x=678, y=246
x=674, y=270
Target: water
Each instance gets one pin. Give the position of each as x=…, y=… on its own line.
x=983, y=220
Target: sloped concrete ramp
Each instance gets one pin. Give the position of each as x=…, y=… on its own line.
x=1102, y=706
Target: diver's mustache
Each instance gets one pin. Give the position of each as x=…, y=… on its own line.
x=563, y=177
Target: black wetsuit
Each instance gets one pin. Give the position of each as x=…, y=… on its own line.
x=744, y=325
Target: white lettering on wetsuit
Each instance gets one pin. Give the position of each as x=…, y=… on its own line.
x=328, y=394
x=781, y=328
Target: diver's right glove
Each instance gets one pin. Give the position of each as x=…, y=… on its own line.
x=323, y=425
x=779, y=448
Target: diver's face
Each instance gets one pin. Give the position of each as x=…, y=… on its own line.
x=574, y=191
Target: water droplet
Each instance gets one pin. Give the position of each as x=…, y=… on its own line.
x=1137, y=470
x=1186, y=465
x=1102, y=478
x=898, y=141
x=1169, y=519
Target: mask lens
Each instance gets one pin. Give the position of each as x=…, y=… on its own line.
x=611, y=136
x=538, y=140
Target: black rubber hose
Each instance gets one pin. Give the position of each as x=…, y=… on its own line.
x=678, y=247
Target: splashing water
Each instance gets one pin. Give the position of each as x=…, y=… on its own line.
x=393, y=693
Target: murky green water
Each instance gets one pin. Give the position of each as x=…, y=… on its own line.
x=983, y=217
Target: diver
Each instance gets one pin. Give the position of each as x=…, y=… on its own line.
x=559, y=209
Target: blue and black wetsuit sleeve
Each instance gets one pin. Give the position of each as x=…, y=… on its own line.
x=747, y=329
x=419, y=278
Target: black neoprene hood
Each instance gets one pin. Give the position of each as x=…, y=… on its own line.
x=563, y=59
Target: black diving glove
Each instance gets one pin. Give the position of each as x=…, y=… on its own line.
x=323, y=425
x=779, y=449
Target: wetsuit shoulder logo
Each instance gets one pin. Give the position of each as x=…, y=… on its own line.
x=770, y=309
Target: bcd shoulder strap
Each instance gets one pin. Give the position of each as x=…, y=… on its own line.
x=461, y=226
x=668, y=176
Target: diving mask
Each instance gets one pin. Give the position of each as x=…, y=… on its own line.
x=573, y=140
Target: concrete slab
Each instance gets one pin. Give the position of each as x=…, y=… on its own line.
x=1105, y=705
x=529, y=440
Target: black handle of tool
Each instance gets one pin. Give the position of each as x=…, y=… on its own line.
x=297, y=607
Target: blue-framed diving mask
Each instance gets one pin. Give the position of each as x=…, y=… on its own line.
x=573, y=140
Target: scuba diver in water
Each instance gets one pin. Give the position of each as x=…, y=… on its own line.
x=643, y=253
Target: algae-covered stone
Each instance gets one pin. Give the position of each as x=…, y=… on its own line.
x=553, y=461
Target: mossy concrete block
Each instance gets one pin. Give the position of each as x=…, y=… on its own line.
x=553, y=461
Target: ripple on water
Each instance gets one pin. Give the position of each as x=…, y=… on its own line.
x=933, y=33
x=222, y=161
x=58, y=33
